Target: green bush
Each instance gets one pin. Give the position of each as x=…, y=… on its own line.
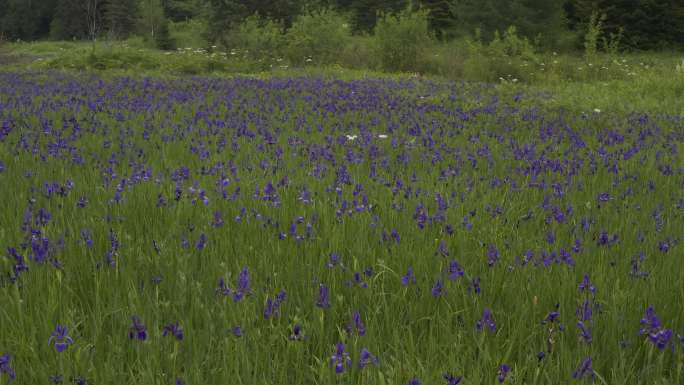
x=317, y=38
x=163, y=39
x=359, y=53
x=508, y=57
x=189, y=33
x=258, y=38
x=402, y=41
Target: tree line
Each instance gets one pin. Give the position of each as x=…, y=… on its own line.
x=640, y=24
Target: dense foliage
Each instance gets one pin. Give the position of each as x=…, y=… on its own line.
x=643, y=24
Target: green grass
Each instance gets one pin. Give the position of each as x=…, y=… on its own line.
x=124, y=110
x=647, y=82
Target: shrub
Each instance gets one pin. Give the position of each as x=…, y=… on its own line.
x=259, y=38
x=359, y=53
x=163, y=39
x=508, y=57
x=402, y=40
x=591, y=37
x=317, y=38
x=189, y=33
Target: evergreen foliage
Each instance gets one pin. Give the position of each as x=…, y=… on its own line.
x=120, y=16
x=640, y=24
x=70, y=20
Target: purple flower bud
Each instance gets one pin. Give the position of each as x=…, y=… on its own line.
x=323, y=297
x=137, y=330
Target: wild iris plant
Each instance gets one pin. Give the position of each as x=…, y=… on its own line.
x=364, y=198
x=173, y=330
x=653, y=328
x=137, y=330
x=60, y=338
x=5, y=368
x=341, y=359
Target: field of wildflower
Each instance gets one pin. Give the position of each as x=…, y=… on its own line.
x=314, y=231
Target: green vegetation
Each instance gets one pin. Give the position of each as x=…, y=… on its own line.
x=620, y=82
x=153, y=153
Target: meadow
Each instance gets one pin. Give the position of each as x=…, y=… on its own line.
x=318, y=228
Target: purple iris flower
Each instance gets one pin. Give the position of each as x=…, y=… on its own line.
x=650, y=323
x=585, y=332
x=586, y=285
x=661, y=338
x=340, y=359
x=451, y=379
x=584, y=312
x=663, y=246
x=334, y=260
x=273, y=306
x=584, y=369
x=201, y=242
x=551, y=317
x=414, y=381
x=218, y=219
x=323, y=297
x=503, y=372
x=438, y=289
x=173, y=330
x=657, y=334
x=409, y=277
x=237, y=331
x=243, y=286
x=60, y=338
x=475, y=287
x=455, y=271
x=137, y=330
x=358, y=324
x=442, y=249
x=223, y=289
x=487, y=321
x=492, y=255
x=366, y=358
x=5, y=368
x=296, y=333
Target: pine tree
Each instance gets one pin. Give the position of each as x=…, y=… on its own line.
x=364, y=13
x=151, y=17
x=26, y=19
x=224, y=15
x=645, y=24
x=533, y=18
x=181, y=10
x=440, y=16
x=120, y=17
x=162, y=38
x=70, y=21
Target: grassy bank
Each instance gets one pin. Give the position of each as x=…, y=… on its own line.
x=649, y=82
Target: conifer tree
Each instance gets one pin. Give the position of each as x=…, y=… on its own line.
x=70, y=21
x=120, y=17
